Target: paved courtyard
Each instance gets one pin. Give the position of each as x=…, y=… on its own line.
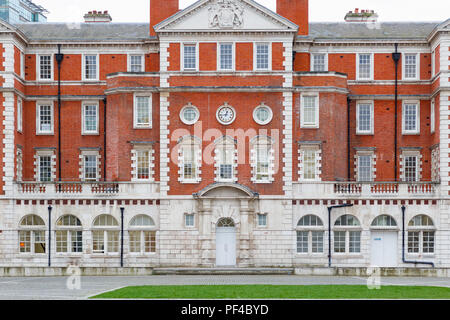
x=56, y=287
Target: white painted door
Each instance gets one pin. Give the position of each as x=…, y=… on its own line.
x=226, y=246
x=384, y=248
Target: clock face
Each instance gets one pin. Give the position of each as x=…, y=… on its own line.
x=226, y=115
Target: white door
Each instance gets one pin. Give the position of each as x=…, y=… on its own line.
x=226, y=246
x=384, y=248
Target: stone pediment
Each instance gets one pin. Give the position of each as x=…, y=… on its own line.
x=225, y=15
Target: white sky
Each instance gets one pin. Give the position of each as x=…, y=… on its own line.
x=320, y=10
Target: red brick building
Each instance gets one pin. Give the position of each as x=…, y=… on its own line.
x=225, y=134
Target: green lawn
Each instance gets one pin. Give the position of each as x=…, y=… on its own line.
x=276, y=292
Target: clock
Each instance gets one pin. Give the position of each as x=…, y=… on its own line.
x=226, y=114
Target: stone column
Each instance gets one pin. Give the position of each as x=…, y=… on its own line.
x=206, y=236
x=244, y=244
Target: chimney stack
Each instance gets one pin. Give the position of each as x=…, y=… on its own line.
x=160, y=10
x=295, y=11
x=97, y=16
x=363, y=16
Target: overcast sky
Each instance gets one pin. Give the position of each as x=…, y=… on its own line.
x=320, y=10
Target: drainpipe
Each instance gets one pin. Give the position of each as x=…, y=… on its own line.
x=49, y=235
x=59, y=58
x=121, y=236
x=348, y=138
x=329, y=228
x=403, y=243
x=104, y=139
x=396, y=57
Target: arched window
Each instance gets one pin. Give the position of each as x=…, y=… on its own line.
x=421, y=235
x=189, y=159
x=32, y=234
x=384, y=221
x=262, y=159
x=105, y=234
x=142, y=235
x=347, y=235
x=225, y=222
x=69, y=235
x=225, y=159
x=310, y=234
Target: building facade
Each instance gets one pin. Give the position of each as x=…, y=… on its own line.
x=19, y=11
x=225, y=134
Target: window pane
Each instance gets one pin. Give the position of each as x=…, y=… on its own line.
x=189, y=220
x=136, y=64
x=45, y=168
x=319, y=62
x=364, y=66
x=317, y=241
x=226, y=156
x=355, y=241
x=90, y=118
x=302, y=241
x=142, y=110
x=262, y=56
x=262, y=163
x=113, y=241
x=98, y=241
x=45, y=67
x=143, y=165
x=309, y=110
x=190, y=57
x=25, y=241
x=262, y=220
x=410, y=168
x=226, y=56
x=149, y=241
x=410, y=117
x=76, y=244
x=39, y=241
x=413, y=241
x=428, y=241
x=90, y=167
x=135, y=241
x=91, y=67
x=364, y=118
x=61, y=241
x=339, y=241
x=410, y=65
x=309, y=164
x=365, y=168
x=45, y=118
x=189, y=164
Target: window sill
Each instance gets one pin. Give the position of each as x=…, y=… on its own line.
x=412, y=133
x=90, y=134
x=45, y=133
x=142, y=127
x=361, y=133
x=189, y=182
x=311, y=254
x=307, y=126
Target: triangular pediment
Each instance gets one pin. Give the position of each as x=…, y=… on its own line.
x=223, y=15
x=6, y=27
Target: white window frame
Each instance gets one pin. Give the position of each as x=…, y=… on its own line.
x=219, y=149
x=137, y=125
x=261, y=214
x=262, y=142
x=371, y=66
x=233, y=56
x=417, y=130
x=38, y=118
x=417, y=71
x=255, y=56
x=316, y=148
x=196, y=56
x=313, y=55
x=417, y=155
x=433, y=116
x=195, y=161
x=365, y=132
x=38, y=67
x=83, y=67
x=310, y=125
x=38, y=165
x=190, y=215
x=358, y=171
x=142, y=62
x=22, y=65
x=135, y=172
x=83, y=118
x=95, y=154
x=19, y=114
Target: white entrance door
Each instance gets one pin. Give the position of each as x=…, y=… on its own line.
x=226, y=246
x=384, y=248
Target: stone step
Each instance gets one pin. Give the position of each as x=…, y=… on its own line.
x=222, y=271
